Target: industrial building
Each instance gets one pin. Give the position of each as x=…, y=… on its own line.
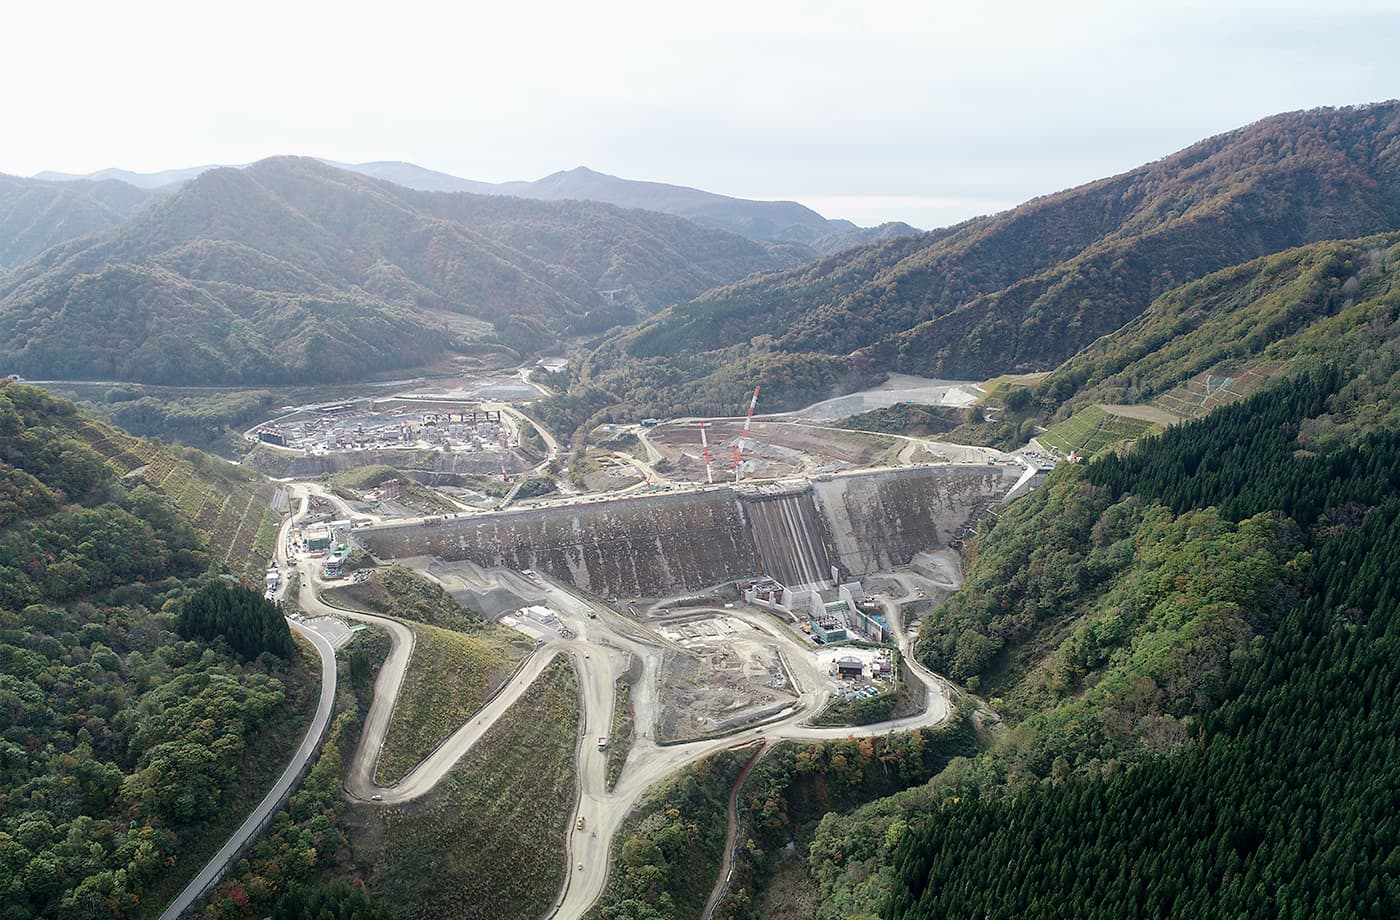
x=826, y=627
x=326, y=536
x=317, y=537
x=872, y=625
x=829, y=614
x=850, y=668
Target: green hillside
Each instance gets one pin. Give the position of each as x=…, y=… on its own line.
x=449, y=679
x=1288, y=619
x=1222, y=338
x=1093, y=430
x=1023, y=290
x=35, y=215
x=292, y=271
x=230, y=507
x=148, y=703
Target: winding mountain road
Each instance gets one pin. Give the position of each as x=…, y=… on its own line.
x=603, y=649
x=253, y=825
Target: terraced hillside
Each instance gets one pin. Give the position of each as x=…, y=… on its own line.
x=229, y=506
x=1094, y=430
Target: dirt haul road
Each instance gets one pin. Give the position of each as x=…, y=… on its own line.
x=649, y=763
x=602, y=652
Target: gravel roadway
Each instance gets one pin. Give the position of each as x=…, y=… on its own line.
x=601, y=653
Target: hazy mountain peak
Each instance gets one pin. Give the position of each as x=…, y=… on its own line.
x=320, y=273
x=774, y=221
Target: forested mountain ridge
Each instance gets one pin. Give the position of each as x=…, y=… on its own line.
x=773, y=221
x=1028, y=288
x=777, y=221
x=164, y=178
x=1219, y=339
x=293, y=271
x=1264, y=806
x=35, y=215
x=147, y=700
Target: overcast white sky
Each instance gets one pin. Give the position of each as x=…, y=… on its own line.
x=927, y=112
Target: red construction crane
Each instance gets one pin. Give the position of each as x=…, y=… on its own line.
x=740, y=444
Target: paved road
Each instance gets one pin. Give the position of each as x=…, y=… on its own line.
x=290, y=777
x=359, y=781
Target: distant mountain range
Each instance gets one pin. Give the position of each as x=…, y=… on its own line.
x=774, y=221
x=152, y=180
x=35, y=215
x=1025, y=289
x=293, y=270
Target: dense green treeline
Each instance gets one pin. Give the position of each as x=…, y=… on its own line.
x=249, y=622
x=795, y=786
x=298, y=869
x=1287, y=809
x=1108, y=629
x=1245, y=459
x=67, y=526
x=119, y=742
x=1276, y=797
x=207, y=421
x=332, y=901
x=124, y=745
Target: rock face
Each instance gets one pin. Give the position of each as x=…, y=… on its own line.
x=882, y=520
x=657, y=545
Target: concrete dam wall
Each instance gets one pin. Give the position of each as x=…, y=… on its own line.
x=652, y=546
x=882, y=520
x=646, y=546
x=788, y=534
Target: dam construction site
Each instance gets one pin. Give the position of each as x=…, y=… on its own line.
x=706, y=604
x=797, y=534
